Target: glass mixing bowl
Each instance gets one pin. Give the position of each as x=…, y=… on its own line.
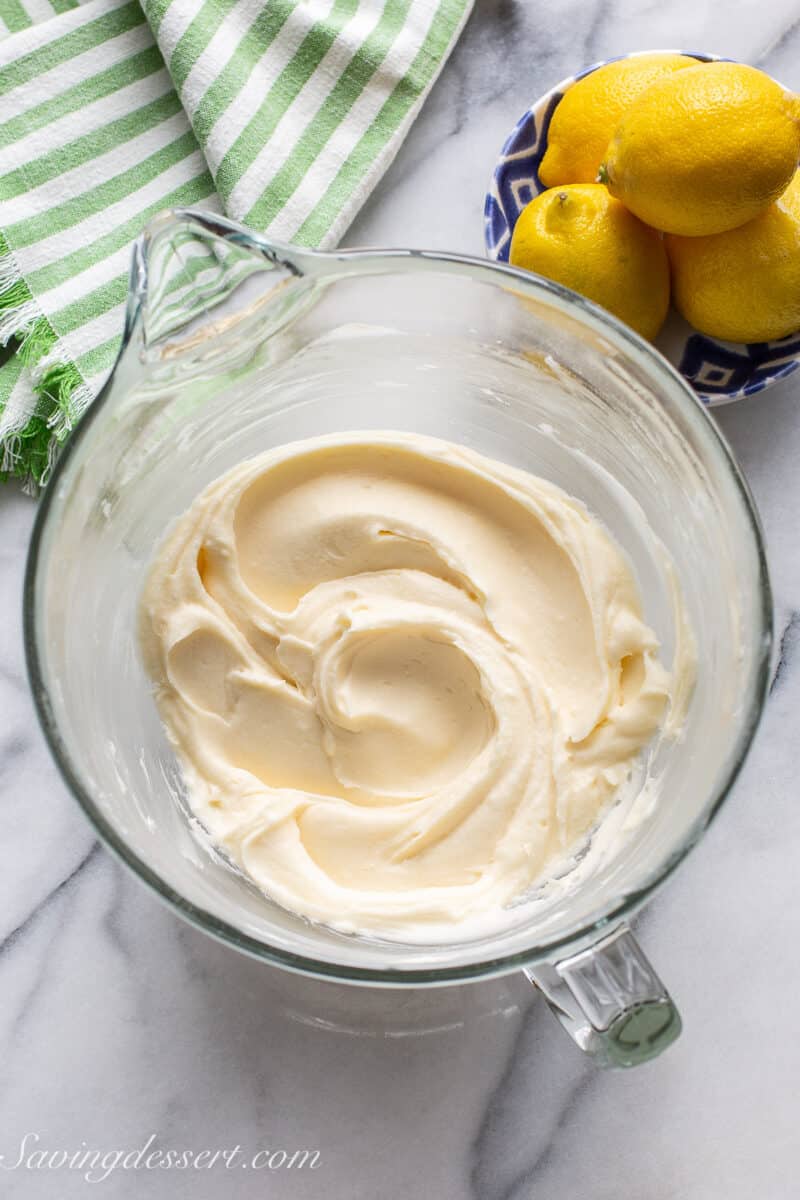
x=234, y=345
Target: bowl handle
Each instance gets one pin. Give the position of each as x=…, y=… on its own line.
x=610, y=1001
x=187, y=263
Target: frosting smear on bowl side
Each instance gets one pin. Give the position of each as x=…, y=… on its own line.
x=403, y=679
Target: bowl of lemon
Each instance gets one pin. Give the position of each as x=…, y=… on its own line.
x=664, y=186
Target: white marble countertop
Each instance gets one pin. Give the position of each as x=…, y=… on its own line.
x=119, y=1022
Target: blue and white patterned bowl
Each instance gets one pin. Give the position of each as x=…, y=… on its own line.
x=718, y=371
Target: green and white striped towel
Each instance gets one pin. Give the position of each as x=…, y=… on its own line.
x=284, y=113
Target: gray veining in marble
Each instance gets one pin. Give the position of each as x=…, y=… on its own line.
x=117, y=1021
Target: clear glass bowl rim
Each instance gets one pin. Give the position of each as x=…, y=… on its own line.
x=379, y=261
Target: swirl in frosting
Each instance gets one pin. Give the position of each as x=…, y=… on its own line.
x=403, y=679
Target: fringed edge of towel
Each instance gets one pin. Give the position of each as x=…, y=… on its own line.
x=28, y=450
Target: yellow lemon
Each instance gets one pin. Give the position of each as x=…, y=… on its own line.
x=585, y=119
x=743, y=285
x=581, y=237
x=705, y=149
